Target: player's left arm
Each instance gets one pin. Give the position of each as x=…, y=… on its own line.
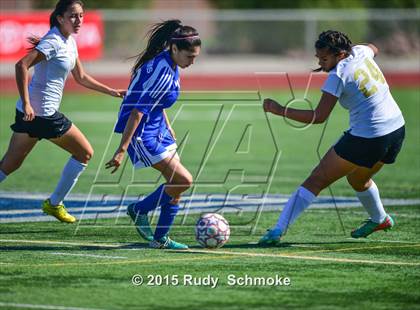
x=319, y=115
x=88, y=81
x=168, y=123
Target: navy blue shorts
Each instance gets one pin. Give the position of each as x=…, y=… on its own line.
x=42, y=127
x=366, y=152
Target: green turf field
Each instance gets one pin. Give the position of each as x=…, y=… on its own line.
x=223, y=134
x=46, y=264
x=229, y=145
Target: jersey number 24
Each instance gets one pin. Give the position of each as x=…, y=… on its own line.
x=373, y=75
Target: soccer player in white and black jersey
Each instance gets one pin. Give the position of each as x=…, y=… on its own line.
x=147, y=135
x=53, y=57
x=374, y=138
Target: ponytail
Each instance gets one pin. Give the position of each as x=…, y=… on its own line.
x=158, y=40
x=162, y=36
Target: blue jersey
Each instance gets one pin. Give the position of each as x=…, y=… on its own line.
x=154, y=87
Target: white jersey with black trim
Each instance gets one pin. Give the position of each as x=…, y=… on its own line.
x=47, y=84
x=361, y=88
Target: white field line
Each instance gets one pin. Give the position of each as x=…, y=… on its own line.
x=411, y=216
x=192, y=205
x=87, y=255
x=32, y=306
x=116, y=208
x=38, y=210
x=230, y=198
x=304, y=257
x=280, y=255
x=382, y=241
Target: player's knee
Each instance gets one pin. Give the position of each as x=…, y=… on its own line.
x=359, y=185
x=89, y=154
x=85, y=156
x=184, y=181
x=188, y=180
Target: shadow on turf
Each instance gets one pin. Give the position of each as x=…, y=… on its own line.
x=281, y=245
x=72, y=248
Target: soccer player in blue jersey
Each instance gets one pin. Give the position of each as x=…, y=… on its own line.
x=53, y=57
x=374, y=138
x=147, y=135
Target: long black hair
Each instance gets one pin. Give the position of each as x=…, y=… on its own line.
x=336, y=41
x=162, y=35
x=60, y=8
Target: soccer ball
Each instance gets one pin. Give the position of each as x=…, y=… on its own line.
x=212, y=230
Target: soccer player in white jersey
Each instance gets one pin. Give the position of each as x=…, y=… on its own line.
x=53, y=56
x=374, y=138
x=147, y=135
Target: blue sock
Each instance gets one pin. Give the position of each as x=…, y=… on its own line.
x=167, y=215
x=152, y=201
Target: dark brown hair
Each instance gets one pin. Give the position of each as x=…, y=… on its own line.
x=162, y=35
x=60, y=8
x=336, y=41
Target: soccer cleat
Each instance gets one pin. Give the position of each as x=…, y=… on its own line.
x=271, y=237
x=59, y=212
x=167, y=243
x=141, y=221
x=369, y=227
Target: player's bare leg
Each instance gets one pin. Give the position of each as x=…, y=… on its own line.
x=331, y=168
x=20, y=146
x=75, y=142
x=178, y=178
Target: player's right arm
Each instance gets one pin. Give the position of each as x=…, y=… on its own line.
x=131, y=126
x=373, y=47
x=319, y=115
x=145, y=91
x=22, y=80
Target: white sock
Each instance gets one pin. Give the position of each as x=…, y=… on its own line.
x=371, y=200
x=3, y=176
x=69, y=176
x=297, y=203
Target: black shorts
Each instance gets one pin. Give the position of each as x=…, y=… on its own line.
x=367, y=152
x=45, y=127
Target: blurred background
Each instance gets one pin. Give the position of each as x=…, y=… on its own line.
x=240, y=37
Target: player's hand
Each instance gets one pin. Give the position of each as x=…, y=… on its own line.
x=29, y=113
x=115, y=161
x=269, y=104
x=118, y=92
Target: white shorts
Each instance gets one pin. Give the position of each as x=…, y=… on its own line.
x=144, y=155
